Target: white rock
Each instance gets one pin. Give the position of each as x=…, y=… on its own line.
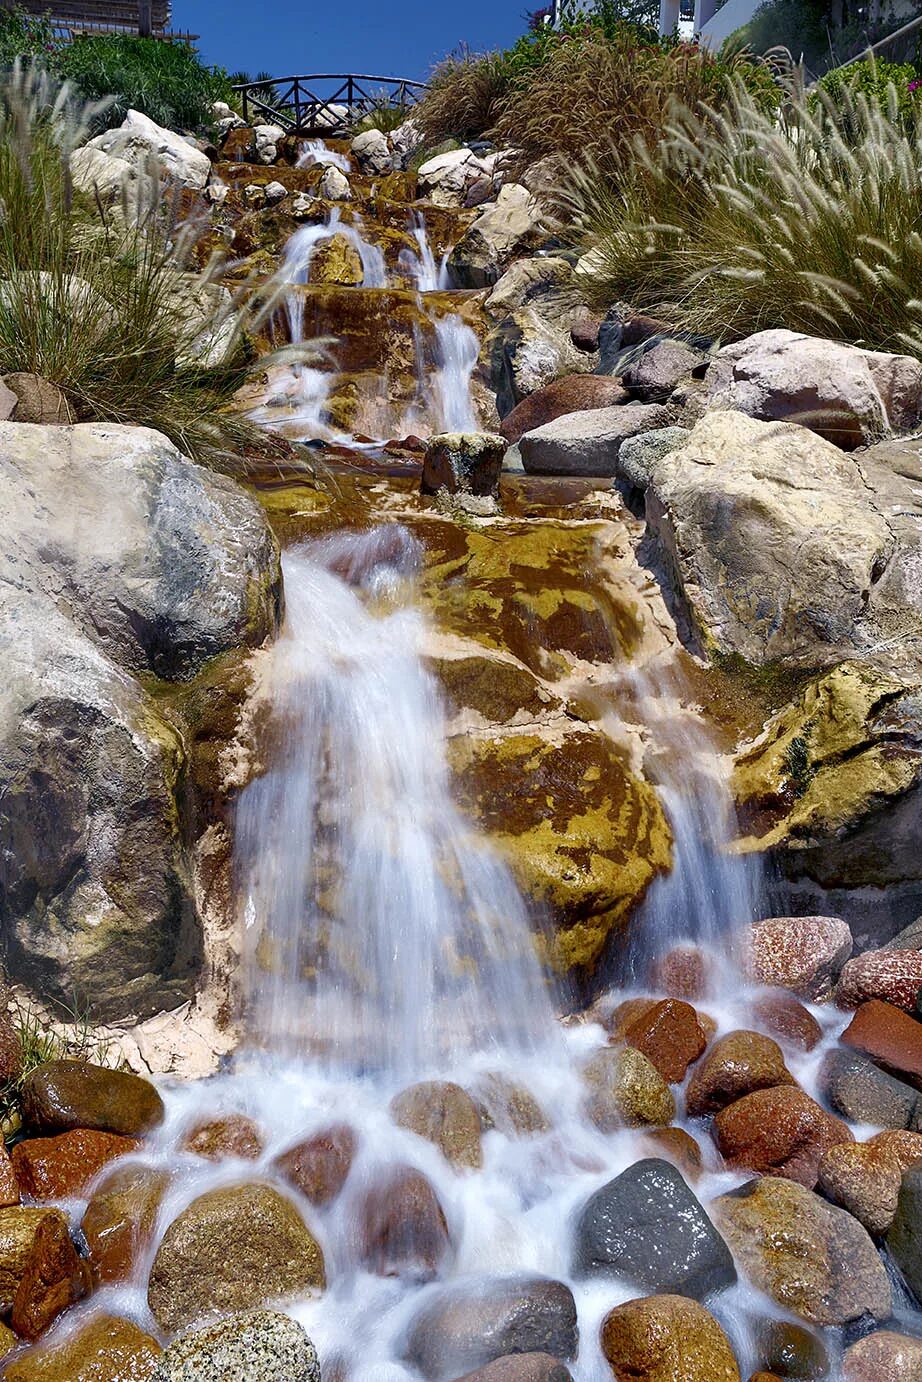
x=275, y=192
x=331, y=117
x=217, y=192
x=138, y=138
x=230, y=122
x=448, y=178
x=266, y=139
x=848, y=395
x=220, y=110
x=405, y=140
x=100, y=174
x=304, y=205
x=254, y=194
x=372, y=152
x=505, y=230
x=334, y=186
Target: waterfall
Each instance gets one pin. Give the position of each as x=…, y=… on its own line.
x=457, y=349
x=428, y=276
x=383, y=931
x=315, y=151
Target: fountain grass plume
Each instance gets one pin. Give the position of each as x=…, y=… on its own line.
x=105, y=301
x=741, y=220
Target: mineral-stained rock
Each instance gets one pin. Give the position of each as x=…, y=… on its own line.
x=670, y=1036
x=685, y=971
x=790, y=1350
x=62, y=1095
x=666, y=1338
x=865, y=1177
x=904, y=1242
x=232, y=1249
x=850, y=395
x=625, y=1089
x=463, y=462
x=780, y=1130
x=890, y=1037
x=319, y=1165
x=402, y=1226
x=231, y=1135
x=258, y=1345
x=445, y=1114
x=738, y=1064
x=806, y=542
x=107, y=1349
x=884, y=1356
x=893, y=976
x=508, y=1107
x=51, y=1168
x=40, y=1272
x=787, y=1020
x=573, y=394
x=647, y=1227
x=472, y=1323
x=813, y=1259
x=802, y=954
x=120, y=1219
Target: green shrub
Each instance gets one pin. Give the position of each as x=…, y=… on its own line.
x=738, y=221
x=102, y=305
x=800, y=26
x=163, y=80
x=26, y=36
x=884, y=82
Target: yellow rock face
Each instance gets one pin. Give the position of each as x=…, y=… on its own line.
x=583, y=835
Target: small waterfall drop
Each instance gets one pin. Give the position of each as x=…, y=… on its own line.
x=457, y=349
x=316, y=151
x=383, y=931
x=422, y=268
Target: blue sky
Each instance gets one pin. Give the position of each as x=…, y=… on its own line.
x=401, y=38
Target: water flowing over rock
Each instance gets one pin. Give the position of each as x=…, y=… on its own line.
x=736, y=1065
x=779, y=1130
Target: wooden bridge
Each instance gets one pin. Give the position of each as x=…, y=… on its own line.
x=327, y=104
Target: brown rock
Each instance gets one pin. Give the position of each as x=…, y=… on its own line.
x=37, y=400
x=522, y=1367
x=9, y=1185
x=403, y=1227
x=790, y=1350
x=10, y=1048
x=803, y=954
x=52, y=1168
x=813, y=1259
x=666, y=1339
x=737, y=1064
x=765, y=1377
x=584, y=333
x=575, y=394
x=232, y=1249
x=318, y=1167
x=625, y=1089
x=894, y=976
x=884, y=1357
x=781, y=1132
x=890, y=1037
x=640, y=328
x=51, y=1275
x=670, y=1036
x=64, y=1095
x=684, y=972
x=509, y=1108
x=783, y=1017
x=218, y=1138
x=865, y=1177
x=677, y=1146
x=445, y=1114
x=120, y=1219
x=107, y=1349
x=626, y=1014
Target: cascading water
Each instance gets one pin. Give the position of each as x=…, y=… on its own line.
x=457, y=349
x=316, y=151
x=358, y=868
x=421, y=267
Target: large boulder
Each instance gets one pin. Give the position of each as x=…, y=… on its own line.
x=234, y=1248
x=160, y=562
x=507, y=229
x=813, y=1259
x=138, y=141
x=372, y=152
x=457, y=178
x=780, y=1131
x=849, y=395
x=771, y=538
x=588, y=443
x=647, y=1228
x=573, y=394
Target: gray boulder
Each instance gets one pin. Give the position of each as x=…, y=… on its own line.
x=163, y=564
x=588, y=443
x=855, y=1088
x=259, y=1345
x=637, y=456
x=904, y=1237
x=653, y=376
x=646, y=1227
x=507, y=229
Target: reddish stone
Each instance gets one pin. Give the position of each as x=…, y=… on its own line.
x=403, y=1226
x=584, y=333
x=678, y=1147
x=684, y=972
x=780, y=1132
x=319, y=1166
x=894, y=976
x=640, y=328
x=783, y=1017
x=53, y=1168
x=737, y=1064
x=106, y=1349
x=54, y=1278
x=803, y=954
x=670, y=1036
x=627, y=1013
x=120, y=1219
x=9, y=1185
x=217, y=1138
x=890, y=1037
x=574, y=394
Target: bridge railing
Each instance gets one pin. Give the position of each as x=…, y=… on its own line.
x=325, y=103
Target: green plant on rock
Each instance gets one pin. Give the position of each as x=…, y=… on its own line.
x=103, y=302
x=742, y=219
x=165, y=81
x=797, y=765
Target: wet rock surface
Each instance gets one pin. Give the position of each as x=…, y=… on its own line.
x=647, y=1227
x=736, y=1065
x=780, y=1131
x=403, y=1229
x=666, y=1339
x=625, y=1089
x=318, y=1166
x=120, y=1218
x=108, y=1349
x=52, y=1168
x=803, y=954
x=261, y=1346
x=443, y=1113
x=61, y=1096
x=41, y=1274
